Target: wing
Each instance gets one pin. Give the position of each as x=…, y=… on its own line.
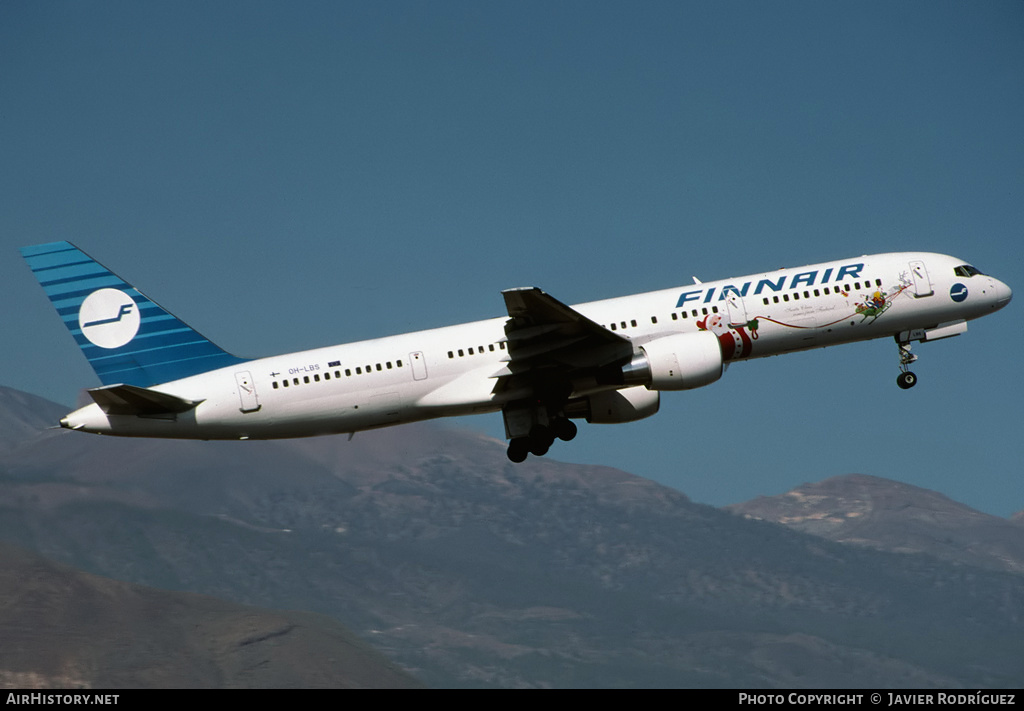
x=551, y=345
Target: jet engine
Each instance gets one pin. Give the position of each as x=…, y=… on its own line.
x=680, y=362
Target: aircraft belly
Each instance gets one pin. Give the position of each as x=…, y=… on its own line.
x=470, y=392
x=345, y=412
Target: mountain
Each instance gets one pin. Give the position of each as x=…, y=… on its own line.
x=65, y=629
x=22, y=416
x=470, y=571
x=888, y=515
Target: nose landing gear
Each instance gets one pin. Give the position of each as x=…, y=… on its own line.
x=905, y=379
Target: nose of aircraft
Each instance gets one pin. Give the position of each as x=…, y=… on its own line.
x=1003, y=294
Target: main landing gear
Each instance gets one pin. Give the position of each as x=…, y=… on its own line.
x=905, y=379
x=540, y=438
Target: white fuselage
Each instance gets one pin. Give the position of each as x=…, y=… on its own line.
x=453, y=370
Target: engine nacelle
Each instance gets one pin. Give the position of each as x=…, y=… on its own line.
x=615, y=406
x=680, y=362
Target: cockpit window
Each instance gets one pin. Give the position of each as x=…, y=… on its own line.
x=966, y=270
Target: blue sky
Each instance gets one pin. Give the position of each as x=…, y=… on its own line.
x=290, y=175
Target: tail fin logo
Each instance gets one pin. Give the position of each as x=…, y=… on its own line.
x=109, y=318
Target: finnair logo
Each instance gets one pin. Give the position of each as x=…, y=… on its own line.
x=109, y=318
x=774, y=283
x=958, y=292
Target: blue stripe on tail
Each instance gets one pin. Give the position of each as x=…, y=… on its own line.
x=126, y=337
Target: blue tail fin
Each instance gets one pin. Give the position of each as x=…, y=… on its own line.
x=126, y=337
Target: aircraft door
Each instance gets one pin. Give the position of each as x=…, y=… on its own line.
x=248, y=399
x=737, y=309
x=419, y=365
x=922, y=282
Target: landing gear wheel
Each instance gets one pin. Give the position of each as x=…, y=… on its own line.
x=906, y=380
x=565, y=429
x=541, y=439
x=539, y=449
x=518, y=449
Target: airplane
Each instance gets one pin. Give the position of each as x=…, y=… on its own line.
x=542, y=365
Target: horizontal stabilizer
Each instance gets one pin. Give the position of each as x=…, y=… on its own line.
x=132, y=400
